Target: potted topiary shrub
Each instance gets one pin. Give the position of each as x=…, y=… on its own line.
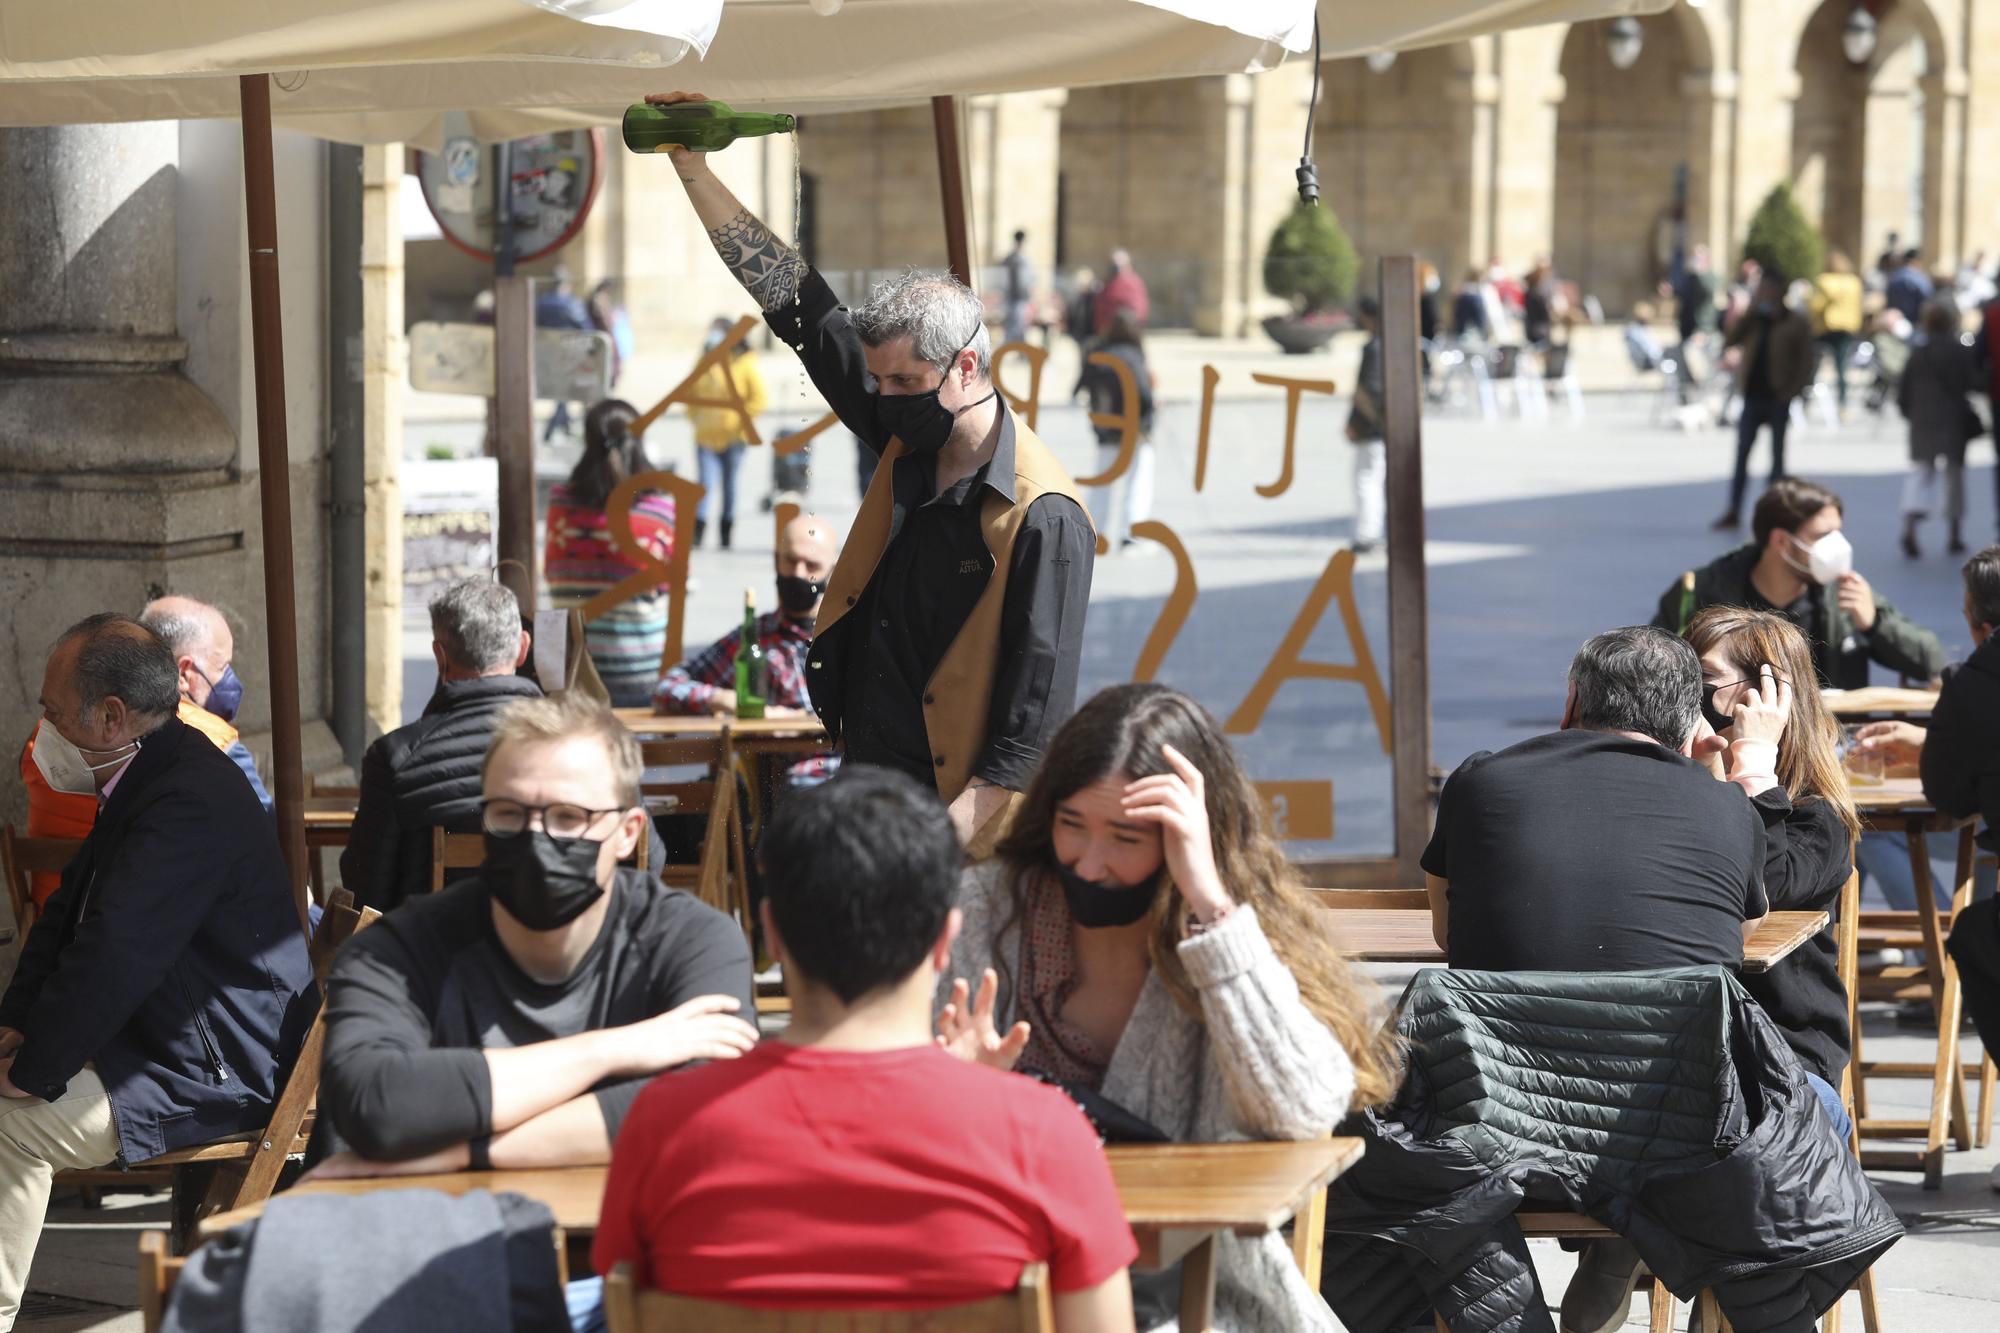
x=1781, y=238
x=1311, y=264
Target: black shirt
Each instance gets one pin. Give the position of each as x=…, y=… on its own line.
x=1807, y=611
x=1807, y=859
x=1583, y=851
x=1757, y=383
x=414, y=999
x=868, y=674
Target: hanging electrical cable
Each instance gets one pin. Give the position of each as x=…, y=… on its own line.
x=1307, y=173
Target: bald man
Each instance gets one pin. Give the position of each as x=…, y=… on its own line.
x=706, y=682
x=204, y=649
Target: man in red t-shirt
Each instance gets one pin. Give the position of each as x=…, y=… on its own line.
x=851, y=1163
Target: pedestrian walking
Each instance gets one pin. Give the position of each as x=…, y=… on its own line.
x=1775, y=366
x=1695, y=316
x=1019, y=288
x=720, y=433
x=1836, y=317
x=608, y=315
x=1364, y=432
x=559, y=307
x=1909, y=287
x=1118, y=506
x=1123, y=290
x=1934, y=399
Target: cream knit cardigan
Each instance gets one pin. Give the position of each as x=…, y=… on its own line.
x=1257, y=1065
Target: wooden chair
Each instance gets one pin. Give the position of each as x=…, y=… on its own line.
x=1847, y=939
x=467, y=851
x=247, y=1166
x=158, y=1272
x=721, y=877
x=317, y=846
x=22, y=858
x=1029, y=1309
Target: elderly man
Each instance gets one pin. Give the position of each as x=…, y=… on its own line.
x=166, y=986
x=204, y=649
x=1602, y=847
x=953, y=630
x=705, y=683
x=513, y=1018
x=426, y=775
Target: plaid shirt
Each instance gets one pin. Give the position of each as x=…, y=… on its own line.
x=689, y=687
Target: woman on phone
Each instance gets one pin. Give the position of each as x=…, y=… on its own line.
x=1141, y=938
x=1761, y=697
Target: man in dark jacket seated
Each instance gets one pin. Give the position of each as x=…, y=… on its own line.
x=1959, y=758
x=426, y=775
x=512, y=1019
x=1603, y=847
x=165, y=987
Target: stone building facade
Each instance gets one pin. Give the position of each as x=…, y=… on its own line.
x=1508, y=147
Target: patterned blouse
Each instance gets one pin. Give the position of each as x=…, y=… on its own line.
x=1048, y=978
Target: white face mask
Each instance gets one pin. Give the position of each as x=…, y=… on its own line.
x=62, y=763
x=1828, y=558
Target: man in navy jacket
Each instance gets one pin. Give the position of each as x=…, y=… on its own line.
x=164, y=990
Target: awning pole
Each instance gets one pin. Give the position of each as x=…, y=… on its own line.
x=951, y=185
x=267, y=342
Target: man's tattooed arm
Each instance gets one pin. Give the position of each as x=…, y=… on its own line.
x=769, y=269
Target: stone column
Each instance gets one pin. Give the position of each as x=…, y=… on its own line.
x=1944, y=96
x=384, y=371
x=116, y=472
x=1481, y=92
x=1524, y=176
x=1013, y=161
x=1710, y=99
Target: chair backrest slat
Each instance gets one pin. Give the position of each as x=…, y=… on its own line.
x=1029, y=1308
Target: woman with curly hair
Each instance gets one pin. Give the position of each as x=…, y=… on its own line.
x=1141, y=939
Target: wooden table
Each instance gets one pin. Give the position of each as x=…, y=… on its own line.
x=1898, y=805
x=1403, y=935
x=756, y=736
x=1879, y=702
x=1177, y=1197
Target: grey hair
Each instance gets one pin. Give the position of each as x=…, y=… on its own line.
x=1638, y=679
x=1982, y=586
x=117, y=657
x=935, y=311
x=182, y=633
x=478, y=624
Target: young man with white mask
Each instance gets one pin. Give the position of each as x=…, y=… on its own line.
x=1799, y=564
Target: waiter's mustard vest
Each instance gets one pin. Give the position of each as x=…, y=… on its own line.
x=957, y=696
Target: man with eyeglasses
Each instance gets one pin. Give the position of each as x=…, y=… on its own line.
x=511, y=1019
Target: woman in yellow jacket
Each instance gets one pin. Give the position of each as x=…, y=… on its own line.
x=1836, y=316
x=720, y=432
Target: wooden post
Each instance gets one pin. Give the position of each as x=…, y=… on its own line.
x=1409, y=612
x=274, y=480
x=514, y=432
x=951, y=185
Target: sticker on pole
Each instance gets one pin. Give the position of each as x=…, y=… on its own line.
x=553, y=181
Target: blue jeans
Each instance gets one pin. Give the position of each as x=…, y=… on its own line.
x=1758, y=413
x=1885, y=858
x=718, y=472
x=1829, y=1100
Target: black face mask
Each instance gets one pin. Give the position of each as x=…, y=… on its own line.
x=919, y=420
x=1097, y=906
x=544, y=883
x=799, y=596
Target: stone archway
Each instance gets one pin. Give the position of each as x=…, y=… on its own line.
x=1395, y=152
x=1622, y=138
x=1867, y=140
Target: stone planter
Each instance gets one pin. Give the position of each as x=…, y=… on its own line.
x=1300, y=334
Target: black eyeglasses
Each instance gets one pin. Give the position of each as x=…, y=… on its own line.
x=564, y=822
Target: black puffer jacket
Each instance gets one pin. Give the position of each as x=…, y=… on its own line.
x=420, y=777
x=1961, y=759
x=1663, y=1104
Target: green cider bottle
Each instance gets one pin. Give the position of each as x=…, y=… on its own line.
x=751, y=671
x=705, y=126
